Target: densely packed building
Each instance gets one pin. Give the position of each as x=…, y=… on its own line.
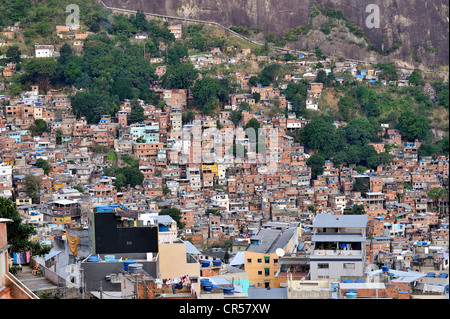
x=277, y=225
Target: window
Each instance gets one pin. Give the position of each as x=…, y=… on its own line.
x=259, y=272
x=115, y=278
x=249, y=260
x=193, y=279
x=259, y=260
x=267, y=260
x=322, y=266
x=275, y=261
x=349, y=266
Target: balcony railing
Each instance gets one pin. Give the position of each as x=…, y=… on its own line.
x=323, y=252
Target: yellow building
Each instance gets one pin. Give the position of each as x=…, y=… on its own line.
x=23, y=201
x=261, y=257
x=61, y=220
x=210, y=166
x=176, y=262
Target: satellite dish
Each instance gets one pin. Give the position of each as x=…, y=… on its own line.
x=280, y=252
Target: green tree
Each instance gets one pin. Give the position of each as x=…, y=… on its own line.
x=33, y=185
x=137, y=113
x=64, y=53
x=179, y=76
x=176, y=54
x=123, y=88
x=235, y=116
x=271, y=37
x=389, y=71
x=188, y=117
x=361, y=184
x=316, y=163
x=252, y=123
x=322, y=77
x=78, y=188
x=435, y=193
x=141, y=139
x=13, y=54
x=320, y=135
x=44, y=70
x=413, y=126
x=253, y=81
x=132, y=175
x=256, y=96
x=18, y=233
x=270, y=73
x=348, y=107
x=209, y=89
x=44, y=165
x=175, y=213
x=416, y=77
x=319, y=53
x=39, y=127
x=355, y=210
x=360, y=131
x=93, y=105
x=59, y=135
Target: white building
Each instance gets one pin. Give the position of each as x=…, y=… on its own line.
x=339, y=246
x=44, y=51
x=6, y=174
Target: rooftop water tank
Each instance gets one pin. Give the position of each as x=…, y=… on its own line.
x=228, y=290
x=350, y=294
x=204, y=263
x=128, y=262
x=135, y=268
x=208, y=287
x=163, y=228
x=217, y=262
x=205, y=282
x=109, y=257
x=347, y=281
x=93, y=259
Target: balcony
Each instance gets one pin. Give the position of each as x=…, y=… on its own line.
x=341, y=253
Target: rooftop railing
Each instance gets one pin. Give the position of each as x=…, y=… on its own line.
x=332, y=252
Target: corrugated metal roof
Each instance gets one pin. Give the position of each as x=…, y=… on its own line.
x=271, y=239
x=238, y=259
x=191, y=249
x=340, y=221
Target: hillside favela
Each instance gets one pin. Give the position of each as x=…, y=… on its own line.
x=236, y=151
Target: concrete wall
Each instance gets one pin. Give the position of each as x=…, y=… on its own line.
x=95, y=272
x=336, y=269
x=173, y=262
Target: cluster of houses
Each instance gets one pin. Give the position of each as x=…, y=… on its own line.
x=247, y=229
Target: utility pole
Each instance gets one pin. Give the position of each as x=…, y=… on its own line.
x=101, y=290
x=136, y=286
x=83, y=284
